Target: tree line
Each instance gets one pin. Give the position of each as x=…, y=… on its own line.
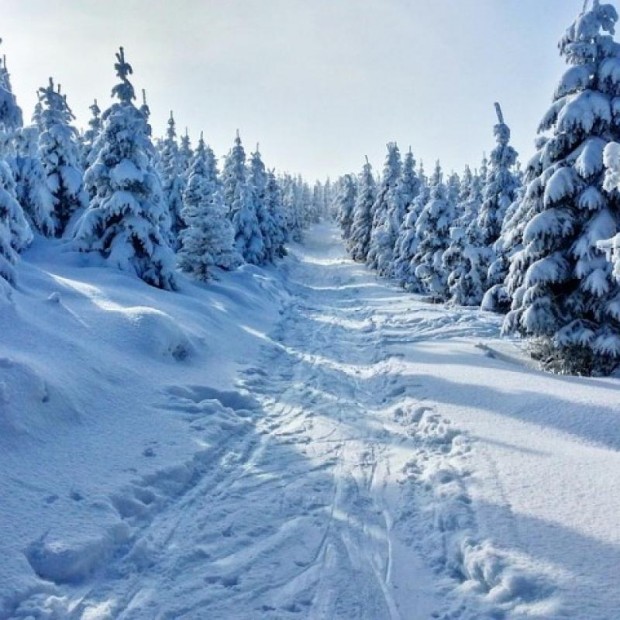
x=527, y=243
x=150, y=207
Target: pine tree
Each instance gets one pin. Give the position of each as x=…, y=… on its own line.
x=8, y=206
x=318, y=203
x=172, y=181
x=388, y=213
x=564, y=295
x=611, y=246
x=433, y=231
x=208, y=239
x=186, y=154
x=15, y=233
x=500, y=191
x=346, y=204
x=258, y=187
x=10, y=113
x=497, y=298
x=31, y=188
x=461, y=259
x=273, y=200
x=293, y=195
x=362, y=215
x=403, y=269
x=123, y=221
x=241, y=208
x=91, y=134
x=146, y=112
x=60, y=155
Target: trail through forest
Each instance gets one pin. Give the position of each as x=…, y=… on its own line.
x=383, y=458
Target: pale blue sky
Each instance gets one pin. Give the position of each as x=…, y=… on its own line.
x=320, y=83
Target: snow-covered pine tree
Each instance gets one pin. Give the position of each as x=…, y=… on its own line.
x=273, y=199
x=318, y=202
x=11, y=117
x=611, y=246
x=146, y=112
x=123, y=221
x=453, y=189
x=208, y=239
x=31, y=187
x=172, y=181
x=564, y=294
x=15, y=232
x=409, y=184
x=433, y=232
x=328, y=198
x=404, y=266
x=234, y=171
x=461, y=259
x=306, y=206
x=497, y=298
x=362, y=215
x=258, y=186
x=500, y=191
x=91, y=134
x=8, y=206
x=346, y=204
x=287, y=188
x=387, y=213
x=240, y=205
x=409, y=187
x=59, y=151
x=186, y=153
x=293, y=195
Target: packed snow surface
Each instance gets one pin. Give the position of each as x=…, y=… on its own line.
x=298, y=442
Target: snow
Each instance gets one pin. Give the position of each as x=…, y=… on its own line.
x=301, y=441
x=562, y=184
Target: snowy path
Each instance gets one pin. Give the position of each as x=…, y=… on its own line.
x=365, y=468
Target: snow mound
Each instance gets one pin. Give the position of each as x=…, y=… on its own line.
x=156, y=335
x=73, y=561
x=25, y=394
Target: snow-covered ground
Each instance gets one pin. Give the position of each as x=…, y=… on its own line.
x=300, y=442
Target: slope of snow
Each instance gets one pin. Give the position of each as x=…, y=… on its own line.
x=300, y=442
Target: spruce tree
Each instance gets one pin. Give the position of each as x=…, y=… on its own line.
x=123, y=221
x=186, y=154
x=172, y=181
x=273, y=199
x=258, y=187
x=403, y=268
x=611, y=246
x=433, y=232
x=564, y=294
x=11, y=117
x=241, y=209
x=146, y=112
x=32, y=190
x=8, y=206
x=346, y=204
x=387, y=213
x=461, y=260
x=60, y=155
x=15, y=233
x=500, y=191
x=362, y=215
x=91, y=134
x=208, y=239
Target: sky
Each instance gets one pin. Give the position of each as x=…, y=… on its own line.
x=318, y=83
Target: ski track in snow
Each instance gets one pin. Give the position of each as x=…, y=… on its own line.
x=329, y=486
